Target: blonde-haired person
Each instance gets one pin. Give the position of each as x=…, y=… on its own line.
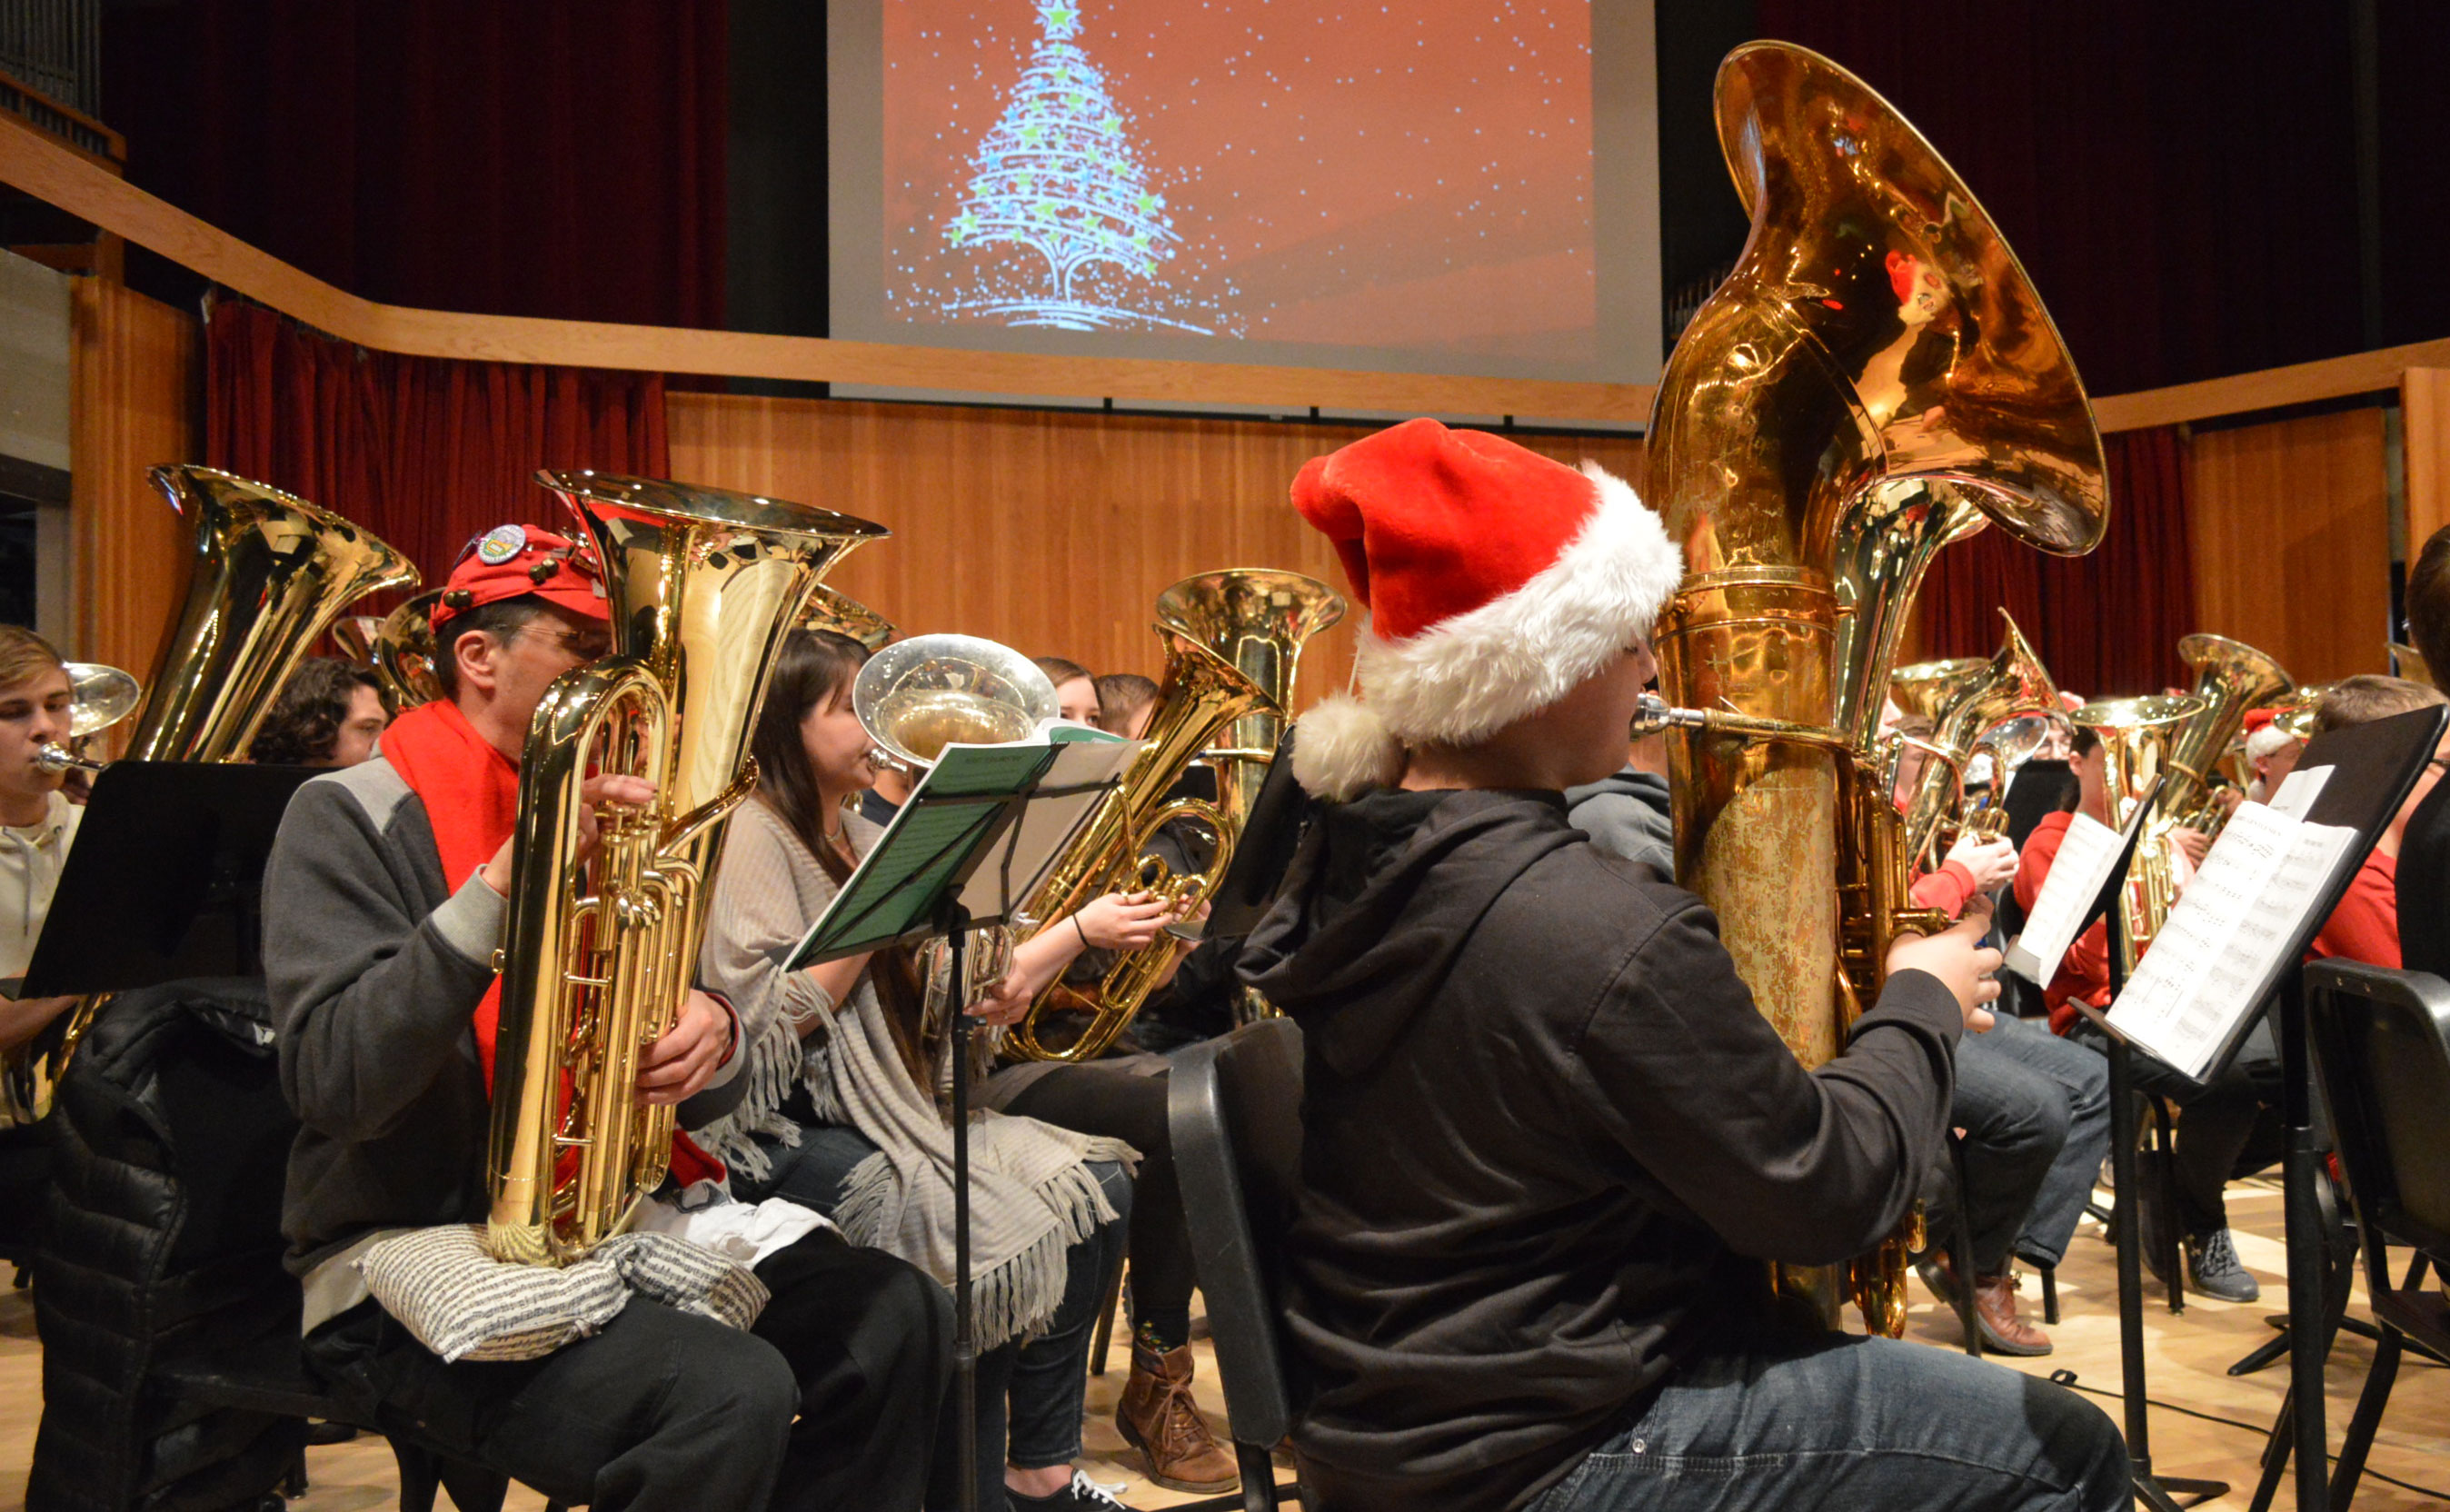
x=37, y=823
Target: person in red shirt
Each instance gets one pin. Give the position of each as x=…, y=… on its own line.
x=2364, y=926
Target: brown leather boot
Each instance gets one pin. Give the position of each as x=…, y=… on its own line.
x=1995, y=1308
x=1157, y=1417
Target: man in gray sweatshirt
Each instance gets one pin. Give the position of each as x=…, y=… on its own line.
x=383, y=910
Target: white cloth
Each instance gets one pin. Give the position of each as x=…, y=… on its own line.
x=32, y=858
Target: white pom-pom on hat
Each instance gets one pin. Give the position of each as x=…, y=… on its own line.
x=1342, y=750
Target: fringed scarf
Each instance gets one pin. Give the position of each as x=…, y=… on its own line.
x=471, y=793
x=1032, y=1194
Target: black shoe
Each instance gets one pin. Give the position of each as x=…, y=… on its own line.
x=2212, y=1267
x=1082, y=1494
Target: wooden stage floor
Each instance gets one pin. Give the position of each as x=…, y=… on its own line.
x=2205, y=1422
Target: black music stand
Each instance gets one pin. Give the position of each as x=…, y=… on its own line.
x=2154, y=1491
x=960, y=855
x=2374, y=767
x=164, y=880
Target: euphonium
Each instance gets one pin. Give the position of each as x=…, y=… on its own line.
x=2138, y=737
x=702, y=585
x=1200, y=694
x=1258, y=619
x=830, y=608
x=269, y=574
x=2012, y=683
x=1875, y=380
x=403, y=652
x=2230, y=678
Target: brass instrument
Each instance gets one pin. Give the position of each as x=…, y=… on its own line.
x=402, y=654
x=918, y=696
x=1201, y=693
x=269, y=574
x=2010, y=684
x=2411, y=663
x=2138, y=736
x=1258, y=619
x=99, y=697
x=915, y=698
x=702, y=585
x=1875, y=380
x=2295, y=715
x=2230, y=678
x=830, y=608
x=354, y=636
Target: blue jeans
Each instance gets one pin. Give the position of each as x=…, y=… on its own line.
x=1831, y=1421
x=2035, y=1109
x=1043, y=1380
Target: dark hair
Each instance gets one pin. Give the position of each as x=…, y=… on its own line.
x=2085, y=741
x=502, y=618
x=306, y=720
x=2428, y=602
x=811, y=668
x=1060, y=670
x=1120, y=698
x=2364, y=698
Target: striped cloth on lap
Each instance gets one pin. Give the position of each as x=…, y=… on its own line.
x=463, y=1303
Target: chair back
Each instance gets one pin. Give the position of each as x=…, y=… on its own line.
x=1235, y=1113
x=2382, y=1055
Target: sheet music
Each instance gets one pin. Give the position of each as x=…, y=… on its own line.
x=2298, y=789
x=2077, y=874
x=2230, y=932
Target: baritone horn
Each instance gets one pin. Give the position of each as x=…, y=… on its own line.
x=1203, y=691
x=1258, y=619
x=2012, y=684
x=702, y=585
x=268, y=573
x=1875, y=380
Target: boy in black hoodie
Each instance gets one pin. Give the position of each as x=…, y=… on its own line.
x=1548, y=1137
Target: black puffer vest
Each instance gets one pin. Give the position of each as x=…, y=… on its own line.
x=162, y=1248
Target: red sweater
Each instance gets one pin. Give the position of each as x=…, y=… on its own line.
x=2085, y=972
x=1948, y=889
x=2365, y=926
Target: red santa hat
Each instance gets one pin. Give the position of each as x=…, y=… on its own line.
x=1496, y=582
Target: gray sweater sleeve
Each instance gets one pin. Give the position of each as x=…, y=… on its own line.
x=373, y=974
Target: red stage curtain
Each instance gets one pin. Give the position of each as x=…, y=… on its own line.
x=2106, y=623
x=424, y=453
x=560, y=158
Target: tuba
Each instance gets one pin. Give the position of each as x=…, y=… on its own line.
x=830, y=608
x=1258, y=619
x=2137, y=738
x=2012, y=684
x=402, y=654
x=2230, y=678
x=597, y=958
x=1203, y=691
x=1875, y=380
x=269, y=574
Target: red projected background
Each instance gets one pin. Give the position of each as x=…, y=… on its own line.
x=1413, y=175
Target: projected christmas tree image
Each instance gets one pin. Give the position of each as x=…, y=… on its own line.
x=1059, y=174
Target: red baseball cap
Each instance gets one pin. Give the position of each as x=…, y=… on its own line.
x=509, y=561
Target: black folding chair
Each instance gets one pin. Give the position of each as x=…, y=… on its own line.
x=2382, y=1057
x=1235, y=1110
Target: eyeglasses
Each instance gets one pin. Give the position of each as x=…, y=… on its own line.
x=588, y=646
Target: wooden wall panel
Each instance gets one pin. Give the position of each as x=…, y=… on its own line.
x=2424, y=405
x=138, y=372
x=2291, y=540
x=1050, y=532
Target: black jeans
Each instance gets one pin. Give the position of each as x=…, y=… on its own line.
x=666, y=1409
x=1115, y=1100
x=1030, y=1393
x=2226, y=1130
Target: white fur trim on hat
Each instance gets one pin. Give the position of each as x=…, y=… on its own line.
x=1342, y=748
x=1476, y=673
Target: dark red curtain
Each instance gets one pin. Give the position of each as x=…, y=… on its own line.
x=426, y=454
x=2179, y=178
x=2105, y=624
x=559, y=158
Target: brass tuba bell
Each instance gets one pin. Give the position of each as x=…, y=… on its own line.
x=2012, y=684
x=1258, y=619
x=1875, y=380
x=702, y=584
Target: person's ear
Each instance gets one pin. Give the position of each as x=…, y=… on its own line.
x=477, y=655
